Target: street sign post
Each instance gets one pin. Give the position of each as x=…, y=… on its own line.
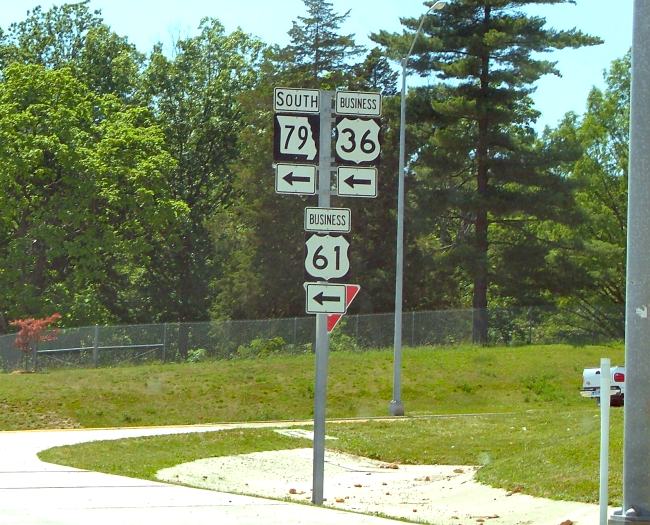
x=357, y=141
x=297, y=179
x=328, y=220
x=322, y=343
x=356, y=182
x=326, y=257
x=303, y=139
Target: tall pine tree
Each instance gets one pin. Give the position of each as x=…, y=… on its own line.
x=482, y=166
x=318, y=53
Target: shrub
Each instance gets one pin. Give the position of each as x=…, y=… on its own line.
x=32, y=331
x=196, y=355
x=261, y=348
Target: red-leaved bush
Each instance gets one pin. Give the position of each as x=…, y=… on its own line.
x=32, y=331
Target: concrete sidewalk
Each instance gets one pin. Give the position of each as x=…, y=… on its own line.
x=36, y=493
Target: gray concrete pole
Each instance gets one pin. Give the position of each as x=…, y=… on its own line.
x=636, y=457
x=322, y=337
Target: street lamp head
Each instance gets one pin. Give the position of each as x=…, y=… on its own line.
x=437, y=6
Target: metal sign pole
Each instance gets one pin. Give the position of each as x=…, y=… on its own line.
x=636, y=450
x=322, y=337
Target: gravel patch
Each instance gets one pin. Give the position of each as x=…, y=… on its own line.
x=437, y=494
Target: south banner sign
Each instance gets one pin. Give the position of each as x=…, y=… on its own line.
x=292, y=100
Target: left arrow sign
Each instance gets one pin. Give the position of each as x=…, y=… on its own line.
x=356, y=182
x=325, y=298
x=299, y=179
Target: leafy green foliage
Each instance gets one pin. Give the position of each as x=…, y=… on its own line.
x=136, y=187
x=84, y=197
x=72, y=36
x=482, y=170
x=597, y=261
x=260, y=238
x=195, y=97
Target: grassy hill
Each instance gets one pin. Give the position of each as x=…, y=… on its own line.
x=434, y=380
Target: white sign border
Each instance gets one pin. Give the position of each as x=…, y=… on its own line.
x=311, y=166
x=355, y=112
x=326, y=229
x=326, y=285
x=303, y=111
x=355, y=195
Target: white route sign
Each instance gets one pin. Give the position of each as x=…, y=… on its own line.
x=326, y=256
x=325, y=298
x=295, y=178
x=357, y=140
x=295, y=138
x=291, y=100
x=358, y=103
x=336, y=220
x=356, y=182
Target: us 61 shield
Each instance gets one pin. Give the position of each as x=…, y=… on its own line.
x=326, y=257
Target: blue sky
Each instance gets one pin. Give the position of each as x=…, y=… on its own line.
x=148, y=21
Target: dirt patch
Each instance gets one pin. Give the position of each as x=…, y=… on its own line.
x=425, y=493
x=25, y=417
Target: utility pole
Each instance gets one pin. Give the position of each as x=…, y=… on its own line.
x=636, y=458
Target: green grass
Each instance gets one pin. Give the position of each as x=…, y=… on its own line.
x=532, y=432
x=552, y=454
x=143, y=457
x=434, y=381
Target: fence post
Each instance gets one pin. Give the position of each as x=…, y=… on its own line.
x=164, y=348
x=295, y=331
x=96, y=346
x=413, y=329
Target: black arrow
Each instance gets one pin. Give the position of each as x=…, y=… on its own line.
x=351, y=181
x=290, y=179
x=320, y=298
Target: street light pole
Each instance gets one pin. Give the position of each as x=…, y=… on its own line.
x=636, y=447
x=396, y=406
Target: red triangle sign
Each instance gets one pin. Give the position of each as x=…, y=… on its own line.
x=351, y=291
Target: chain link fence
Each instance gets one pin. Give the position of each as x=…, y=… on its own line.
x=102, y=346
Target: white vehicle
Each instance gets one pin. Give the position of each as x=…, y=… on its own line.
x=591, y=384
